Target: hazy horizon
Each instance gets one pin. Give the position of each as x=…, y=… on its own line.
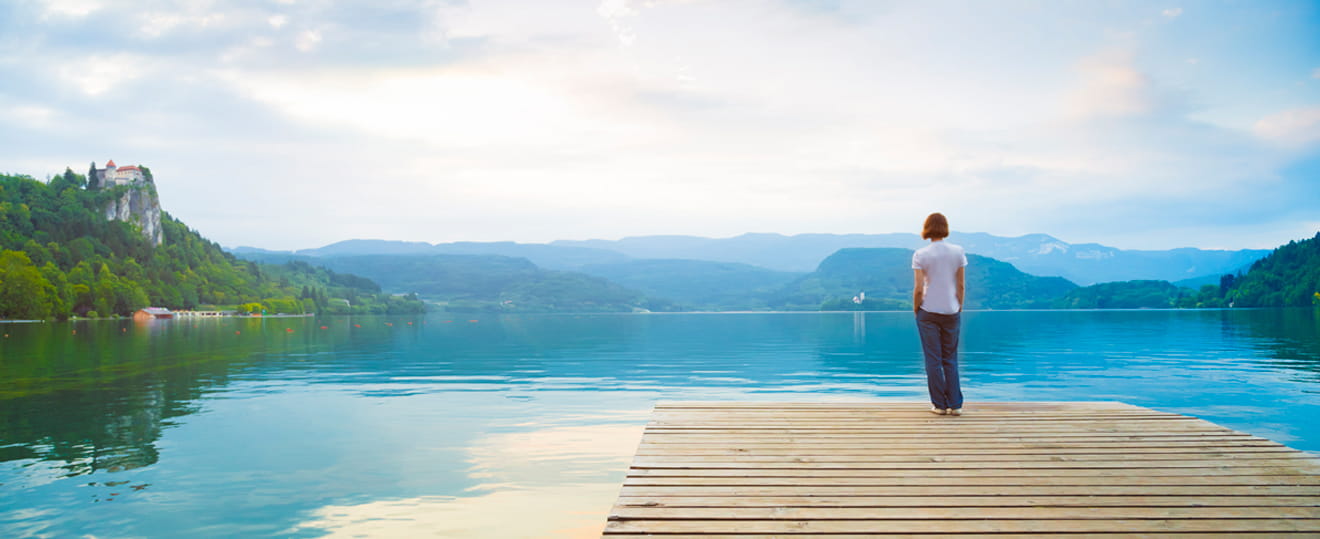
x=953, y=237
x=293, y=123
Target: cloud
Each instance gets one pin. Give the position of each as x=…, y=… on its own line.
x=1112, y=86
x=617, y=13
x=1172, y=12
x=69, y=8
x=308, y=40
x=1294, y=127
x=1315, y=74
x=98, y=74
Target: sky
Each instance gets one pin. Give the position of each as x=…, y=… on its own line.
x=288, y=124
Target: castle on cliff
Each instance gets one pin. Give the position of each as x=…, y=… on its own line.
x=138, y=205
x=112, y=175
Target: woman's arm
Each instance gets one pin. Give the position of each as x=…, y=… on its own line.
x=960, y=285
x=918, y=288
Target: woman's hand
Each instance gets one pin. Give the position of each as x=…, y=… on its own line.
x=918, y=289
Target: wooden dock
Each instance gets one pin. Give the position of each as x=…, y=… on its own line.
x=866, y=469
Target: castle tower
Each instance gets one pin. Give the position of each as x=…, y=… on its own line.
x=106, y=176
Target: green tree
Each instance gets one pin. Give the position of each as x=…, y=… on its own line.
x=1287, y=277
x=93, y=184
x=24, y=292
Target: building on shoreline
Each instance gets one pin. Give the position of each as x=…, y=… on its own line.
x=153, y=313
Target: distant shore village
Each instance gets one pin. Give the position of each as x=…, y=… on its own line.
x=113, y=175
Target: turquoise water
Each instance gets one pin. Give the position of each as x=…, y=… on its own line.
x=523, y=426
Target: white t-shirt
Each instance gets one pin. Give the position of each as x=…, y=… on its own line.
x=940, y=261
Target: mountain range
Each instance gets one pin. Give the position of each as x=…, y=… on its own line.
x=763, y=272
x=1036, y=254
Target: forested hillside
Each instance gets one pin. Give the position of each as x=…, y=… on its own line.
x=59, y=256
x=1287, y=277
x=485, y=283
x=885, y=275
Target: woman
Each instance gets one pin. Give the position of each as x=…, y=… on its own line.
x=937, y=300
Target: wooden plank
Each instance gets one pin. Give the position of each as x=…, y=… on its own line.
x=1026, y=406
x=871, y=455
x=945, y=421
x=972, y=444
x=989, y=472
x=862, y=462
x=887, y=429
x=970, y=501
x=1157, y=453
x=1166, y=449
x=1236, y=535
x=927, y=434
x=908, y=417
x=1020, y=480
x=964, y=526
x=963, y=438
x=911, y=417
x=957, y=513
x=999, y=490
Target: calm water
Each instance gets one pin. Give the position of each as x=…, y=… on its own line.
x=522, y=426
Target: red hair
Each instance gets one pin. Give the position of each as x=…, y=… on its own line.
x=936, y=227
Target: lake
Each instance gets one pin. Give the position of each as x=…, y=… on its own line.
x=524, y=425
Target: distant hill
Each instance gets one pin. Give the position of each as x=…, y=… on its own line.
x=697, y=284
x=370, y=247
x=800, y=253
x=489, y=283
x=1037, y=254
x=1125, y=295
x=885, y=275
x=543, y=255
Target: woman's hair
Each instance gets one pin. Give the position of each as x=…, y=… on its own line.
x=936, y=227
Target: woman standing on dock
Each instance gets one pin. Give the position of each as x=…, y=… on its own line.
x=937, y=299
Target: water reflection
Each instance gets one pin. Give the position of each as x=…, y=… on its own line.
x=90, y=396
x=549, y=482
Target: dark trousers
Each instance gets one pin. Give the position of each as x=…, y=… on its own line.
x=939, y=343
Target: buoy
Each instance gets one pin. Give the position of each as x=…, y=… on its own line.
x=237, y=332
x=357, y=325
x=410, y=323
x=390, y=324
x=324, y=327
x=472, y=321
x=288, y=330
x=75, y=332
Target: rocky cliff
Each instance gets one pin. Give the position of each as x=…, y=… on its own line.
x=141, y=207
